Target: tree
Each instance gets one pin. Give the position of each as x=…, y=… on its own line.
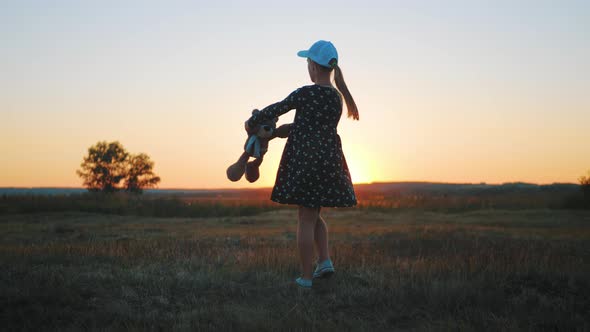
x=585, y=183
x=107, y=164
x=104, y=166
x=140, y=174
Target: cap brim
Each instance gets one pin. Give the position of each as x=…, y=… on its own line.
x=303, y=54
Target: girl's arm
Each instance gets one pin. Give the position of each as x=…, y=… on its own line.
x=275, y=110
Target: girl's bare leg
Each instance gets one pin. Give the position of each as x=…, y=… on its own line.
x=321, y=239
x=308, y=217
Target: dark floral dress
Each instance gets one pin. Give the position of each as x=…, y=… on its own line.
x=313, y=171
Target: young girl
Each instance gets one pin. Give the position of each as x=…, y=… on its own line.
x=313, y=171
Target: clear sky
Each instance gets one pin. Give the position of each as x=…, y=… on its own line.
x=449, y=91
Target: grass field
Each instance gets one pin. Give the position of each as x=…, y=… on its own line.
x=485, y=270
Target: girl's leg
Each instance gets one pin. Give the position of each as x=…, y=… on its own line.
x=308, y=218
x=321, y=239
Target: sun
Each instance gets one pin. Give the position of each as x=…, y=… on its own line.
x=359, y=163
x=360, y=169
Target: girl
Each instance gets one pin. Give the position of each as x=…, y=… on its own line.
x=313, y=171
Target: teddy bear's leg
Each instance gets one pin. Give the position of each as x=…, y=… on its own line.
x=235, y=171
x=252, y=170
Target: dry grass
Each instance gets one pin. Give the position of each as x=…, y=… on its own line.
x=481, y=270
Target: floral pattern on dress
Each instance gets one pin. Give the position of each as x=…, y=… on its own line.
x=313, y=170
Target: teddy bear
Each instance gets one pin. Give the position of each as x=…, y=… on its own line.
x=256, y=146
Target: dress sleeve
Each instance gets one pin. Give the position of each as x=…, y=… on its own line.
x=277, y=109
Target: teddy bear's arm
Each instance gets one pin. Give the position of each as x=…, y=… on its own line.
x=282, y=131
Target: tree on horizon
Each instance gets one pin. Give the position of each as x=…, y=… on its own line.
x=140, y=173
x=585, y=183
x=108, y=164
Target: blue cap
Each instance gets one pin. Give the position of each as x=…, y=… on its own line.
x=321, y=52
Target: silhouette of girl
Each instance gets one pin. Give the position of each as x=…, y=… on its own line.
x=313, y=172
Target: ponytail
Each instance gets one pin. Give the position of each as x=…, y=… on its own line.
x=353, y=112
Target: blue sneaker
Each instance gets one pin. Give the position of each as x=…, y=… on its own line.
x=303, y=283
x=324, y=269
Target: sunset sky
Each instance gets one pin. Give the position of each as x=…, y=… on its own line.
x=448, y=91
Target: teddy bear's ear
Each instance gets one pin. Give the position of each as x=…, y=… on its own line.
x=254, y=111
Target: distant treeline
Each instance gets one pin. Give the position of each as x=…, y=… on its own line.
x=129, y=204
x=408, y=188
x=459, y=197
x=465, y=188
x=243, y=202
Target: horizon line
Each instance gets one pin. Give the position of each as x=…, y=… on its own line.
x=270, y=187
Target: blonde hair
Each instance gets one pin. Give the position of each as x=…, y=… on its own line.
x=353, y=111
